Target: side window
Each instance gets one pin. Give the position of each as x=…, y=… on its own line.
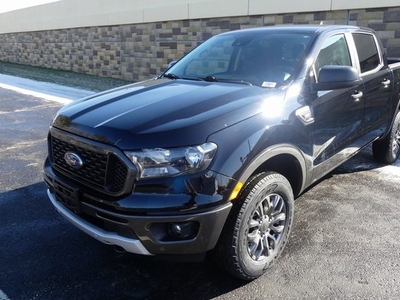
x=367, y=51
x=334, y=51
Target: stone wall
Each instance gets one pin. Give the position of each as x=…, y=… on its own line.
x=140, y=51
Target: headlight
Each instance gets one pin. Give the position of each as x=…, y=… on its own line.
x=160, y=162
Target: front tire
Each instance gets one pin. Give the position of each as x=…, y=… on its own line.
x=387, y=150
x=259, y=226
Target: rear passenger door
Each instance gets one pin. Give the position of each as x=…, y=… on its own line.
x=377, y=84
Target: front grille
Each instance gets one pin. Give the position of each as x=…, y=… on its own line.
x=102, y=170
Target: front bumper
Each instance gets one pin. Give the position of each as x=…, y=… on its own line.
x=110, y=238
x=140, y=233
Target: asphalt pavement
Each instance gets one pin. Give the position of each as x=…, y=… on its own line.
x=344, y=243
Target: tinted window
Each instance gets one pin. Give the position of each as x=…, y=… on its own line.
x=334, y=51
x=367, y=52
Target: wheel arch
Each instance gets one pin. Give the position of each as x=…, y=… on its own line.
x=286, y=160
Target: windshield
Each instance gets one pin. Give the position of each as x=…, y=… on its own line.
x=259, y=58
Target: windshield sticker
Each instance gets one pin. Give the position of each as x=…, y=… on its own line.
x=268, y=84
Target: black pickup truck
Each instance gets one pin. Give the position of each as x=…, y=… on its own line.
x=209, y=156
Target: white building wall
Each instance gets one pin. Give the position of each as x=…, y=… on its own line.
x=82, y=13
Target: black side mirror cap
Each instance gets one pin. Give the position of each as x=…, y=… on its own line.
x=337, y=77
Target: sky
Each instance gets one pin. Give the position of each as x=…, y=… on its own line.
x=18, y=4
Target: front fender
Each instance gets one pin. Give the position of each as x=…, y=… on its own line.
x=246, y=147
x=297, y=176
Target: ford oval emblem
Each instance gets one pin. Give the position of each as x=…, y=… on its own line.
x=73, y=160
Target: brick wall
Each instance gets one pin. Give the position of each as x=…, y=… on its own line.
x=139, y=51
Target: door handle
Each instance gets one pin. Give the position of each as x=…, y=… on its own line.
x=386, y=82
x=357, y=95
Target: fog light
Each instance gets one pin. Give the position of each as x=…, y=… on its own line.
x=183, y=230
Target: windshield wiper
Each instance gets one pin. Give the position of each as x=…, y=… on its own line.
x=174, y=76
x=212, y=78
x=171, y=76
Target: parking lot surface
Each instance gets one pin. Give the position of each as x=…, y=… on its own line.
x=344, y=244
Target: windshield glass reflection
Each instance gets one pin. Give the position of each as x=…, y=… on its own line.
x=258, y=58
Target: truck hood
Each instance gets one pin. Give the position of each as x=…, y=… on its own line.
x=163, y=112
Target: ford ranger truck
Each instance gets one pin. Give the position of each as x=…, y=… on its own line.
x=209, y=156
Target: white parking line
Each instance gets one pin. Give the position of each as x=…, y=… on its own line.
x=35, y=94
x=45, y=90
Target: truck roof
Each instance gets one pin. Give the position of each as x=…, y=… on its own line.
x=310, y=28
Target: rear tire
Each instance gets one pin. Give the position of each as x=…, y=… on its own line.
x=387, y=150
x=258, y=227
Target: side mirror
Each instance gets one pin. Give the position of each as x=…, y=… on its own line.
x=165, y=71
x=172, y=63
x=336, y=77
